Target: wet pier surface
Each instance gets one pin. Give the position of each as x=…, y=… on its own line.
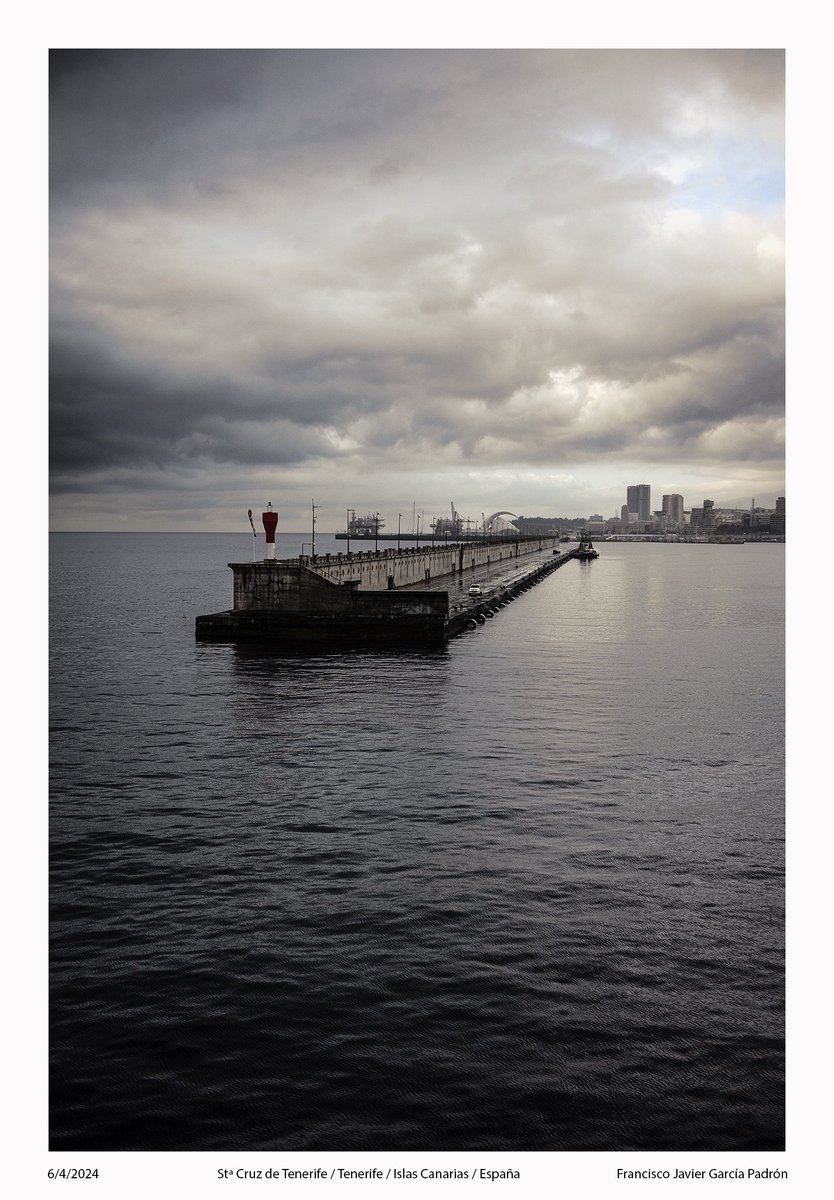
x=499, y=575
x=500, y=583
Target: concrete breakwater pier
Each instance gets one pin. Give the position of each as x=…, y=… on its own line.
x=383, y=597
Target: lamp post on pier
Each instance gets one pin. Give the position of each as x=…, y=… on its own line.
x=399, y=522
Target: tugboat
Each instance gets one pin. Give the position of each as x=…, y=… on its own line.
x=586, y=550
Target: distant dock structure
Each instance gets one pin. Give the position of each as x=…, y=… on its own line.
x=371, y=528
x=391, y=597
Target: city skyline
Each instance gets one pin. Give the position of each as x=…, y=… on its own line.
x=385, y=278
x=335, y=519
x=300, y=520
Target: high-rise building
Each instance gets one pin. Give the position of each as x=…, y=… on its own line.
x=703, y=518
x=777, y=521
x=639, y=498
x=672, y=509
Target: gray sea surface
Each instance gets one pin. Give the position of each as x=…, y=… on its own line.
x=524, y=893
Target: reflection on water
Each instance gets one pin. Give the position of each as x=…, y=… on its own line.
x=524, y=892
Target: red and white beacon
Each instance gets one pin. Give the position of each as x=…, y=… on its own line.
x=270, y=520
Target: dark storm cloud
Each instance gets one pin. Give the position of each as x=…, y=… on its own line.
x=104, y=414
x=282, y=257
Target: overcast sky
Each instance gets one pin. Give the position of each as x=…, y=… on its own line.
x=518, y=280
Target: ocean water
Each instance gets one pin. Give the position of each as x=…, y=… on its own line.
x=524, y=893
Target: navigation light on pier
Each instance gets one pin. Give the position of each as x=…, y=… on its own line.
x=270, y=520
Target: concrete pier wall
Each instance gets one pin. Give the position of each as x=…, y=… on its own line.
x=292, y=587
x=290, y=584
x=288, y=604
